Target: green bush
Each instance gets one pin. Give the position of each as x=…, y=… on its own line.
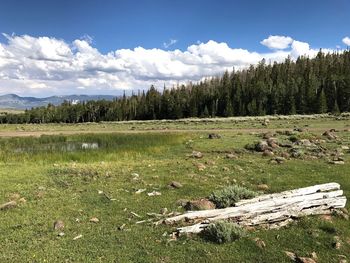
x=222, y=232
x=229, y=195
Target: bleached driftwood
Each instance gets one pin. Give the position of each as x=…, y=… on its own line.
x=274, y=210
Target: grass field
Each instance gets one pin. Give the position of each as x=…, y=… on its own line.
x=61, y=181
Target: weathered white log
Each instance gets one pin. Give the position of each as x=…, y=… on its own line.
x=256, y=207
x=274, y=210
x=290, y=193
x=316, y=207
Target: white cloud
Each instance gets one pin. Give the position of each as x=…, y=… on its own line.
x=277, y=42
x=43, y=65
x=346, y=41
x=170, y=43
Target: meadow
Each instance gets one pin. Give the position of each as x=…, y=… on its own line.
x=51, y=176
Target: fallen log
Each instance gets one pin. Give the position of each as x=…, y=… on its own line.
x=273, y=210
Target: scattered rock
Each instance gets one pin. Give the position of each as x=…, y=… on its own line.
x=225, y=169
x=139, y=191
x=200, y=166
x=268, y=153
x=58, y=225
x=268, y=135
x=261, y=146
x=94, y=220
x=200, y=204
x=60, y=234
x=330, y=135
x=231, y=156
x=337, y=245
x=272, y=142
x=214, y=136
x=304, y=142
x=278, y=160
x=8, y=205
x=263, y=187
x=22, y=200
x=121, y=227
x=285, y=155
x=175, y=185
x=197, y=155
x=344, y=147
x=260, y=243
x=154, y=193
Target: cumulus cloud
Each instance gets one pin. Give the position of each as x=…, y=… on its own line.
x=346, y=41
x=277, y=42
x=43, y=65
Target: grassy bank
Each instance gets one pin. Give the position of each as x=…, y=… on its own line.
x=73, y=184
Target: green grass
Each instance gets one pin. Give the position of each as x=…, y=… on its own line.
x=64, y=185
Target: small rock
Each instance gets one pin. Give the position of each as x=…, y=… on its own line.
x=60, y=234
x=285, y=155
x=214, y=136
x=139, y=191
x=58, y=225
x=225, y=169
x=337, y=245
x=200, y=166
x=268, y=135
x=344, y=147
x=94, y=220
x=154, y=193
x=175, y=184
x=22, y=200
x=343, y=261
x=200, y=204
x=231, y=156
x=260, y=243
x=196, y=154
x=330, y=135
x=263, y=187
x=268, y=153
x=261, y=146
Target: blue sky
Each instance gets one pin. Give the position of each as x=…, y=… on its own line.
x=215, y=29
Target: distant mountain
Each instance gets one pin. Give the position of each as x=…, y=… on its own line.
x=13, y=101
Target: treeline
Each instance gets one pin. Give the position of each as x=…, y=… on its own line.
x=304, y=86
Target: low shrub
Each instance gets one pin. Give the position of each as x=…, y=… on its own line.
x=222, y=232
x=229, y=195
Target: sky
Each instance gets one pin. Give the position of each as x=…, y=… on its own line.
x=60, y=47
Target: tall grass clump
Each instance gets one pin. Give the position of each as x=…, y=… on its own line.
x=223, y=232
x=229, y=195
